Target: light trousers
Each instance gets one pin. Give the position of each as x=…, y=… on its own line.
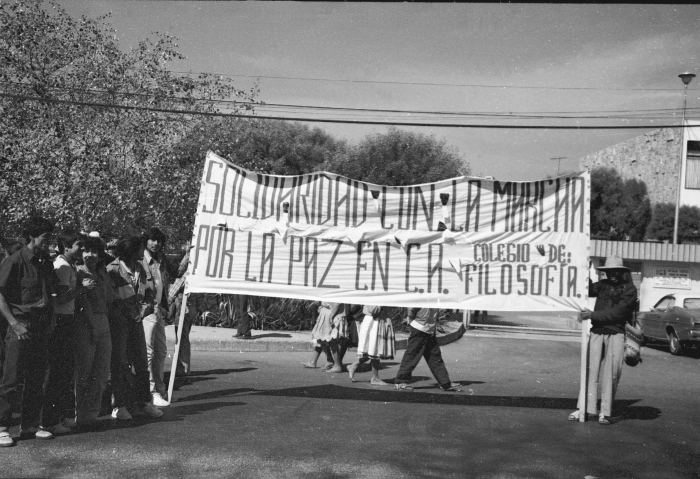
x=156, y=350
x=606, y=353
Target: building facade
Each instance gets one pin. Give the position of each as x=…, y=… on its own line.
x=654, y=159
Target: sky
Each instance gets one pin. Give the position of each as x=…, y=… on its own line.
x=443, y=57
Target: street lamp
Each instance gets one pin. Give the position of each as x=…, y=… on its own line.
x=686, y=78
x=558, y=158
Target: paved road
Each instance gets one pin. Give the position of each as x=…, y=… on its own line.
x=261, y=415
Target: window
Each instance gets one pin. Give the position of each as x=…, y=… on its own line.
x=692, y=303
x=666, y=303
x=692, y=168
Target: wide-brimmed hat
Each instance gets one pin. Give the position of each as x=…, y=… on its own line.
x=613, y=262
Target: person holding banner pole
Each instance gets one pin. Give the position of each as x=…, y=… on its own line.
x=155, y=264
x=616, y=301
x=376, y=341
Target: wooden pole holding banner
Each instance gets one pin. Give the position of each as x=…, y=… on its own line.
x=176, y=355
x=583, y=391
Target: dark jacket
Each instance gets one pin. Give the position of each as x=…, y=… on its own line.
x=28, y=281
x=614, y=306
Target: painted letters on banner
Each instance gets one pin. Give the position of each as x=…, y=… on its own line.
x=465, y=243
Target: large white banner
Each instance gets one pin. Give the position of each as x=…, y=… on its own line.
x=466, y=243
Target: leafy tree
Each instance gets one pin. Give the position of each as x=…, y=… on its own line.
x=661, y=225
x=620, y=209
x=399, y=158
x=272, y=147
x=264, y=146
x=92, y=167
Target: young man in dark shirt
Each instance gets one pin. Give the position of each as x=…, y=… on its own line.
x=27, y=287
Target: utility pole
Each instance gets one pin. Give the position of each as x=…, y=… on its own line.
x=558, y=158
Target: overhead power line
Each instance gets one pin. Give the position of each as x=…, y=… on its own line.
x=326, y=120
x=657, y=114
x=387, y=82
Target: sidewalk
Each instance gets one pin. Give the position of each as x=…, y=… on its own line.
x=204, y=338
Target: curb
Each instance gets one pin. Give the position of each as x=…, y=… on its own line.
x=204, y=338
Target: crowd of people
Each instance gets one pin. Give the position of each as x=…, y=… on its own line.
x=93, y=314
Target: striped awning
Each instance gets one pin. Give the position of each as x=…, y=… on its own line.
x=630, y=250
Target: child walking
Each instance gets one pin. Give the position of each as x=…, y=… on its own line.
x=423, y=343
x=330, y=334
x=375, y=342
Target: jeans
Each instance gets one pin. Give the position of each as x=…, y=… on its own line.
x=157, y=350
x=24, y=371
x=129, y=350
x=59, y=397
x=423, y=345
x=93, y=350
x=605, y=356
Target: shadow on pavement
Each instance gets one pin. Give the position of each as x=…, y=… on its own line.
x=174, y=412
x=220, y=393
x=211, y=372
x=198, y=376
x=271, y=335
x=642, y=413
x=178, y=411
x=436, y=385
x=332, y=391
x=367, y=367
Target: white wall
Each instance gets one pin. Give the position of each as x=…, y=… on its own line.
x=649, y=294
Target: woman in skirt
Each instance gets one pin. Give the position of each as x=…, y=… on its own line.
x=375, y=342
x=330, y=334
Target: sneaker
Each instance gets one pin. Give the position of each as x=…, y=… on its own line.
x=121, y=413
x=35, y=432
x=69, y=423
x=159, y=401
x=59, y=429
x=150, y=410
x=5, y=439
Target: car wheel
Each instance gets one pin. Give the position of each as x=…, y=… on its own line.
x=674, y=344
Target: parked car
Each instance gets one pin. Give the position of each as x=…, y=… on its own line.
x=674, y=319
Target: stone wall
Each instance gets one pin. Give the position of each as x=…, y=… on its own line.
x=652, y=158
